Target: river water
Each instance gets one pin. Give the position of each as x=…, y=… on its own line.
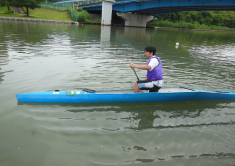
x=41, y=56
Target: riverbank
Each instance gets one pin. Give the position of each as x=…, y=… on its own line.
x=187, y=25
x=72, y=22
x=212, y=20
x=191, y=29
x=39, y=14
x=37, y=20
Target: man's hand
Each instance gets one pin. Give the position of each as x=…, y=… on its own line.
x=132, y=65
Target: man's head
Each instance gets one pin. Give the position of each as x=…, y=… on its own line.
x=150, y=51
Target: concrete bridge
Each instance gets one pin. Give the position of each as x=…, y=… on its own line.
x=139, y=12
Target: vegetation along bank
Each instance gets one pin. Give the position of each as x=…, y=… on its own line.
x=214, y=20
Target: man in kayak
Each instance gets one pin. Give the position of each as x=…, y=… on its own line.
x=154, y=81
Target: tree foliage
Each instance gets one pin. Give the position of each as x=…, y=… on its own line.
x=7, y=3
x=32, y=4
x=80, y=15
x=217, y=18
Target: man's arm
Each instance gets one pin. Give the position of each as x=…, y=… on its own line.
x=144, y=67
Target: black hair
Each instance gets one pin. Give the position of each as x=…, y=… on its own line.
x=151, y=49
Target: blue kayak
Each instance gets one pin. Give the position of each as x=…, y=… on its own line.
x=124, y=95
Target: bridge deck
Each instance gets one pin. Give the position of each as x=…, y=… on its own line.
x=152, y=7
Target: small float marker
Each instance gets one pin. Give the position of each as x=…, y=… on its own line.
x=177, y=45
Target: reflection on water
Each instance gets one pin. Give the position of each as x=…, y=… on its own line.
x=105, y=34
x=154, y=115
x=39, y=57
x=151, y=115
x=159, y=131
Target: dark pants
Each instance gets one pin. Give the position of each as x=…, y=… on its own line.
x=154, y=88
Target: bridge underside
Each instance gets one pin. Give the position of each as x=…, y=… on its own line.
x=137, y=11
x=152, y=7
x=159, y=10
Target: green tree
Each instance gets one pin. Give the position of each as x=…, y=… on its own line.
x=229, y=21
x=208, y=17
x=217, y=20
x=193, y=16
x=206, y=14
x=178, y=16
x=161, y=16
x=32, y=4
x=175, y=16
x=187, y=16
x=8, y=3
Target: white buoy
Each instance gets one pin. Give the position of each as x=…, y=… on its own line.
x=177, y=45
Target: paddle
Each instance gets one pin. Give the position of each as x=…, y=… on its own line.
x=136, y=74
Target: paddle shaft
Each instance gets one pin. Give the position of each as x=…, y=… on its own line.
x=136, y=74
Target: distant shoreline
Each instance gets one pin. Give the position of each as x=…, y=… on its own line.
x=193, y=29
x=77, y=23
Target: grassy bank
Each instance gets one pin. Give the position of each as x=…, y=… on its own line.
x=39, y=13
x=187, y=25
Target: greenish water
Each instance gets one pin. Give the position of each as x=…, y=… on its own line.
x=40, y=57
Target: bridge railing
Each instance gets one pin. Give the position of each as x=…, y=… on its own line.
x=58, y=7
x=66, y=4
x=86, y=2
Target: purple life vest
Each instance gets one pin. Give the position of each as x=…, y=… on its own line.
x=156, y=73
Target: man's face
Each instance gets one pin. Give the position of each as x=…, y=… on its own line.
x=147, y=54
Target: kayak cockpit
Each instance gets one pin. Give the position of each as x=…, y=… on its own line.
x=176, y=89
x=164, y=89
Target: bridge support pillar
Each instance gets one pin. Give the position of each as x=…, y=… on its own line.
x=135, y=20
x=107, y=7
